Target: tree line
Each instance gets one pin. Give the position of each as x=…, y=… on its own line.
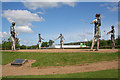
x=103, y=43
x=6, y=45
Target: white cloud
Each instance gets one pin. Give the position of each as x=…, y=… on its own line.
x=21, y=17
x=118, y=28
x=60, y=0
x=41, y=18
x=105, y=4
x=115, y=8
x=40, y=12
x=29, y=24
x=117, y=24
x=25, y=42
x=51, y=0
x=39, y=0
x=24, y=29
x=35, y=5
x=111, y=6
x=44, y=5
x=82, y=20
x=72, y=4
x=4, y=35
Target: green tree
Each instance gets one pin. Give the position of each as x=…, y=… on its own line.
x=6, y=45
x=103, y=43
x=51, y=42
x=45, y=44
x=23, y=47
x=117, y=41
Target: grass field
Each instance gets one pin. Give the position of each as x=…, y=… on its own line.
x=58, y=59
x=113, y=73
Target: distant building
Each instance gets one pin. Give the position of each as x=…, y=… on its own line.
x=69, y=46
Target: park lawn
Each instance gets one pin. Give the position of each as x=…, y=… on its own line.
x=58, y=59
x=112, y=73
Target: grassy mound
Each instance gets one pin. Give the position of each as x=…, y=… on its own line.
x=58, y=59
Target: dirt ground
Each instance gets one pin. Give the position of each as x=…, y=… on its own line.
x=26, y=69
x=65, y=50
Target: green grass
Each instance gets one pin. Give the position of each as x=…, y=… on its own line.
x=113, y=73
x=58, y=59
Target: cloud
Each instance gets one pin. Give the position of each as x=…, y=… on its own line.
x=115, y=8
x=44, y=5
x=117, y=24
x=77, y=36
x=72, y=4
x=60, y=0
x=25, y=42
x=40, y=12
x=89, y=33
x=118, y=28
x=41, y=18
x=24, y=29
x=105, y=4
x=35, y=5
x=82, y=20
x=111, y=6
x=21, y=17
x=4, y=35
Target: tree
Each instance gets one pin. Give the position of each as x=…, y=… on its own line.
x=0, y=46
x=6, y=45
x=51, y=42
x=23, y=47
x=103, y=43
x=45, y=44
x=117, y=41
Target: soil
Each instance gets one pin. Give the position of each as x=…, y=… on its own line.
x=65, y=50
x=26, y=69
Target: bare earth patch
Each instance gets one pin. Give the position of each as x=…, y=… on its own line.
x=65, y=50
x=26, y=69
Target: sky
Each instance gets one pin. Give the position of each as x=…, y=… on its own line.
x=72, y=19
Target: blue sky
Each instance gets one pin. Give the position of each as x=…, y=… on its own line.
x=51, y=19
